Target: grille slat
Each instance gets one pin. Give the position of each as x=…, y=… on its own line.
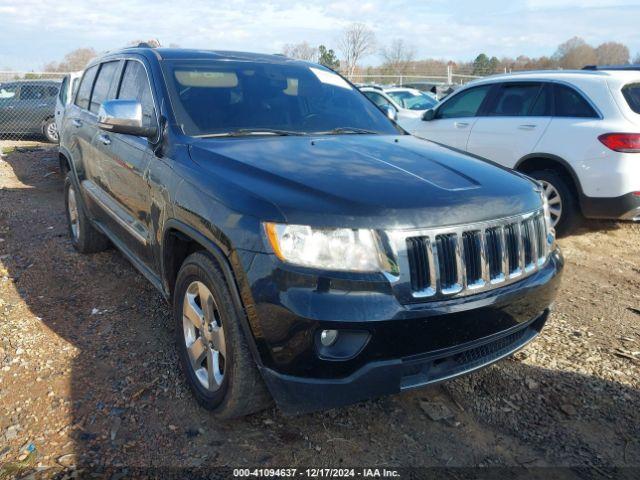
x=448, y=264
x=472, y=257
x=459, y=258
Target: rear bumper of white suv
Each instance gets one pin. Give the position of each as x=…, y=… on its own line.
x=624, y=207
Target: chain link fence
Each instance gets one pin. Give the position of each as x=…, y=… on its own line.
x=440, y=79
x=28, y=106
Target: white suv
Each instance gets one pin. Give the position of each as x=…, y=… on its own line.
x=578, y=132
x=408, y=104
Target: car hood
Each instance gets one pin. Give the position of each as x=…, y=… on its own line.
x=360, y=181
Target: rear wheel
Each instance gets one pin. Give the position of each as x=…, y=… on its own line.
x=212, y=348
x=563, y=205
x=84, y=236
x=50, y=130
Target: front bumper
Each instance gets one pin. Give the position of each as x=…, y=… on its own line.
x=408, y=345
x=296, y=395
x=625, y=207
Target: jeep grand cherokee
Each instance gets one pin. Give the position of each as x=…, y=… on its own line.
x=313, y=252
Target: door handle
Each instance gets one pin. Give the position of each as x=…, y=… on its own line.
x=42, y=105
x=10, y=107
x=76, y=123
x=527, y=126
x=104, y=139
x=461, y=124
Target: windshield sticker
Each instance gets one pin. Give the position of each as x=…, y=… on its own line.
x=330, y=78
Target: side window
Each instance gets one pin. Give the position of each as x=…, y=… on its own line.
x=103, y=85
x=631, y=94
x=33, y=92
x=378, y=99
x=63, y=90
x=570, y=103
x=464, y=104
x=135, y=86
x=8, y=90
x=543, y=106
x=515, y=99
x=84, y=91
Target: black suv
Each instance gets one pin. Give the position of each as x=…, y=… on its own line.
x=28, y=107
x=313, y=252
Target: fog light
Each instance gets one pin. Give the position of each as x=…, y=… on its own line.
x=328, y=337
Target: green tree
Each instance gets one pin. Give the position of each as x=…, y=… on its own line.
x=481, y=65
x=494, y=64
x=327, y=57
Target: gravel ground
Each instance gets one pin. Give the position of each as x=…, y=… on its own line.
x=89, y=374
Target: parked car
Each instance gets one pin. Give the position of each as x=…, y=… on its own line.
x=312, y=251
x=68, y=89
x=27, y=108
x=438, y=89
x=408, y=104
x=577, y=132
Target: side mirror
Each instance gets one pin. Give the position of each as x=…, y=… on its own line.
x=428, y=115
x=390, y=112
x=123, y=116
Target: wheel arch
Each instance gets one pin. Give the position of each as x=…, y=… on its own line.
x=64, y=160
x=179, y=240
x=547, y=161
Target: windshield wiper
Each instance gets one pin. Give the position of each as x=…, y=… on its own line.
x=349, y=130
x=247, y=132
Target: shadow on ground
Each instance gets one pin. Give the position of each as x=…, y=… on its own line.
x=101, y=342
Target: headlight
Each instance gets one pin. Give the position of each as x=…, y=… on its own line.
x=329, y=249
x=551, y=232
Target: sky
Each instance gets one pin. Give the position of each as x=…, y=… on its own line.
x=33, y=32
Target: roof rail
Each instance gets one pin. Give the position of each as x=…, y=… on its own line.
x=612, y=67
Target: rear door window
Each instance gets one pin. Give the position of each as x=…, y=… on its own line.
x=84, y=91
x=102, y=88
x=135, y=86
x=464, y=104
x=570, y=103
x=631, y=94
x=515, y=99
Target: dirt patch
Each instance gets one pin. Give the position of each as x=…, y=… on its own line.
x=89, y=373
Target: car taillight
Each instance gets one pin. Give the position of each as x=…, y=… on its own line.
x=621, y=142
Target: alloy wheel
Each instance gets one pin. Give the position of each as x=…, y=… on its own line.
x=554, y=200
x=52, y=131
x=204, y=336
x=74, y=218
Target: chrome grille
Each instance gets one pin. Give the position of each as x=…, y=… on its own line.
x=468, y=259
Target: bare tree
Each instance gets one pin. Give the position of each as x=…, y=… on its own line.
x=357, y=41
x=612, y=53
x=397, y=56
x=575, y=53
x=636, y=59
x=301, y=51
x=72, y=61
x=153, y=43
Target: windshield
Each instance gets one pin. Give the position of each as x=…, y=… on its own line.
x=413, y=101
x=239, y=97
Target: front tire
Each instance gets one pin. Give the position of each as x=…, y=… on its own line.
x=50, y=131
x=563, y=204
x=84, y=236
x=213, y=351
